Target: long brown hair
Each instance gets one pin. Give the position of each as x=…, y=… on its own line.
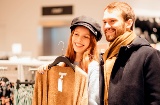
x=89, y=55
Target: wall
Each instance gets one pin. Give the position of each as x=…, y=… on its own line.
x=21, y=20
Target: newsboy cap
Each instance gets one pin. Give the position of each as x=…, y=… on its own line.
x=89, y=23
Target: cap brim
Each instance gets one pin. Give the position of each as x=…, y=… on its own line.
x=85, y=25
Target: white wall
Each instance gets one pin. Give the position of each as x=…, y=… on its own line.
x=20, y=19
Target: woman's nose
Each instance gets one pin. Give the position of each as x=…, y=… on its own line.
x=79, y=39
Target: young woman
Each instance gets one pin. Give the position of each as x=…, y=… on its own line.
x=82, y=51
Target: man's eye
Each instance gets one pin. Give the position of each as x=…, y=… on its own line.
x=112, y=21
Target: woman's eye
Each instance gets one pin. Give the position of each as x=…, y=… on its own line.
x=86, y=37
x=75, y=34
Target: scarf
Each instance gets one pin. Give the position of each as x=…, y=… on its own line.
x=109, y=57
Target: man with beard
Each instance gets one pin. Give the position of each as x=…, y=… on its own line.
x=131, y=65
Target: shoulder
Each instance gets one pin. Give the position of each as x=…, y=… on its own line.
x=149, y=50
x=142, y=46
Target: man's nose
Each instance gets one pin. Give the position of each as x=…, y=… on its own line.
x=107, y=25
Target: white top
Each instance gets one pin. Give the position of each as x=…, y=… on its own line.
x=93, y=83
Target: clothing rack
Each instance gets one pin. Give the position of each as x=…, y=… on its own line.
x=23, y=92
x=26, y=83
x=3, y=68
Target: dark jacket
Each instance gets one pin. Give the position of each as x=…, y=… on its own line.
x=101, y=79
x=135, y=78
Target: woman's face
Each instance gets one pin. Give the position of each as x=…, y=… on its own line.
x=80, y=39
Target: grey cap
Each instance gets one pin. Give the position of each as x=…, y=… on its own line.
x=89, y=23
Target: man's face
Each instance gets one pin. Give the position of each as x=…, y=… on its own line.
x=113, y=25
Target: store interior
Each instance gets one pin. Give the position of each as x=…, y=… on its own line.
x=29, y=38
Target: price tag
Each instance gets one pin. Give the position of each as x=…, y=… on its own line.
x=60, y=81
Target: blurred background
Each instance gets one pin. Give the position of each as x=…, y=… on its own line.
x=35, y=27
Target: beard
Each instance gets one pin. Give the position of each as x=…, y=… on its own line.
x=112, y=33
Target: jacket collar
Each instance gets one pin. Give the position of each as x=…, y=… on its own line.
x=138, y=42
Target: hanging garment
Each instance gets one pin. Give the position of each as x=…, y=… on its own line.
x=23, y=95
x=61, y=86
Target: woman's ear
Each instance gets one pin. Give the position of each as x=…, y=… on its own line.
x=129, y=23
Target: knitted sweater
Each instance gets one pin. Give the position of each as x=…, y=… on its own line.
x=70, y=90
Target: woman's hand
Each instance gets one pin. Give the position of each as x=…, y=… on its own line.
x=42, y=68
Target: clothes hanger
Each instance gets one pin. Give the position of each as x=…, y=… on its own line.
x=62, y=45
x=62, y=59
x=26, y=83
